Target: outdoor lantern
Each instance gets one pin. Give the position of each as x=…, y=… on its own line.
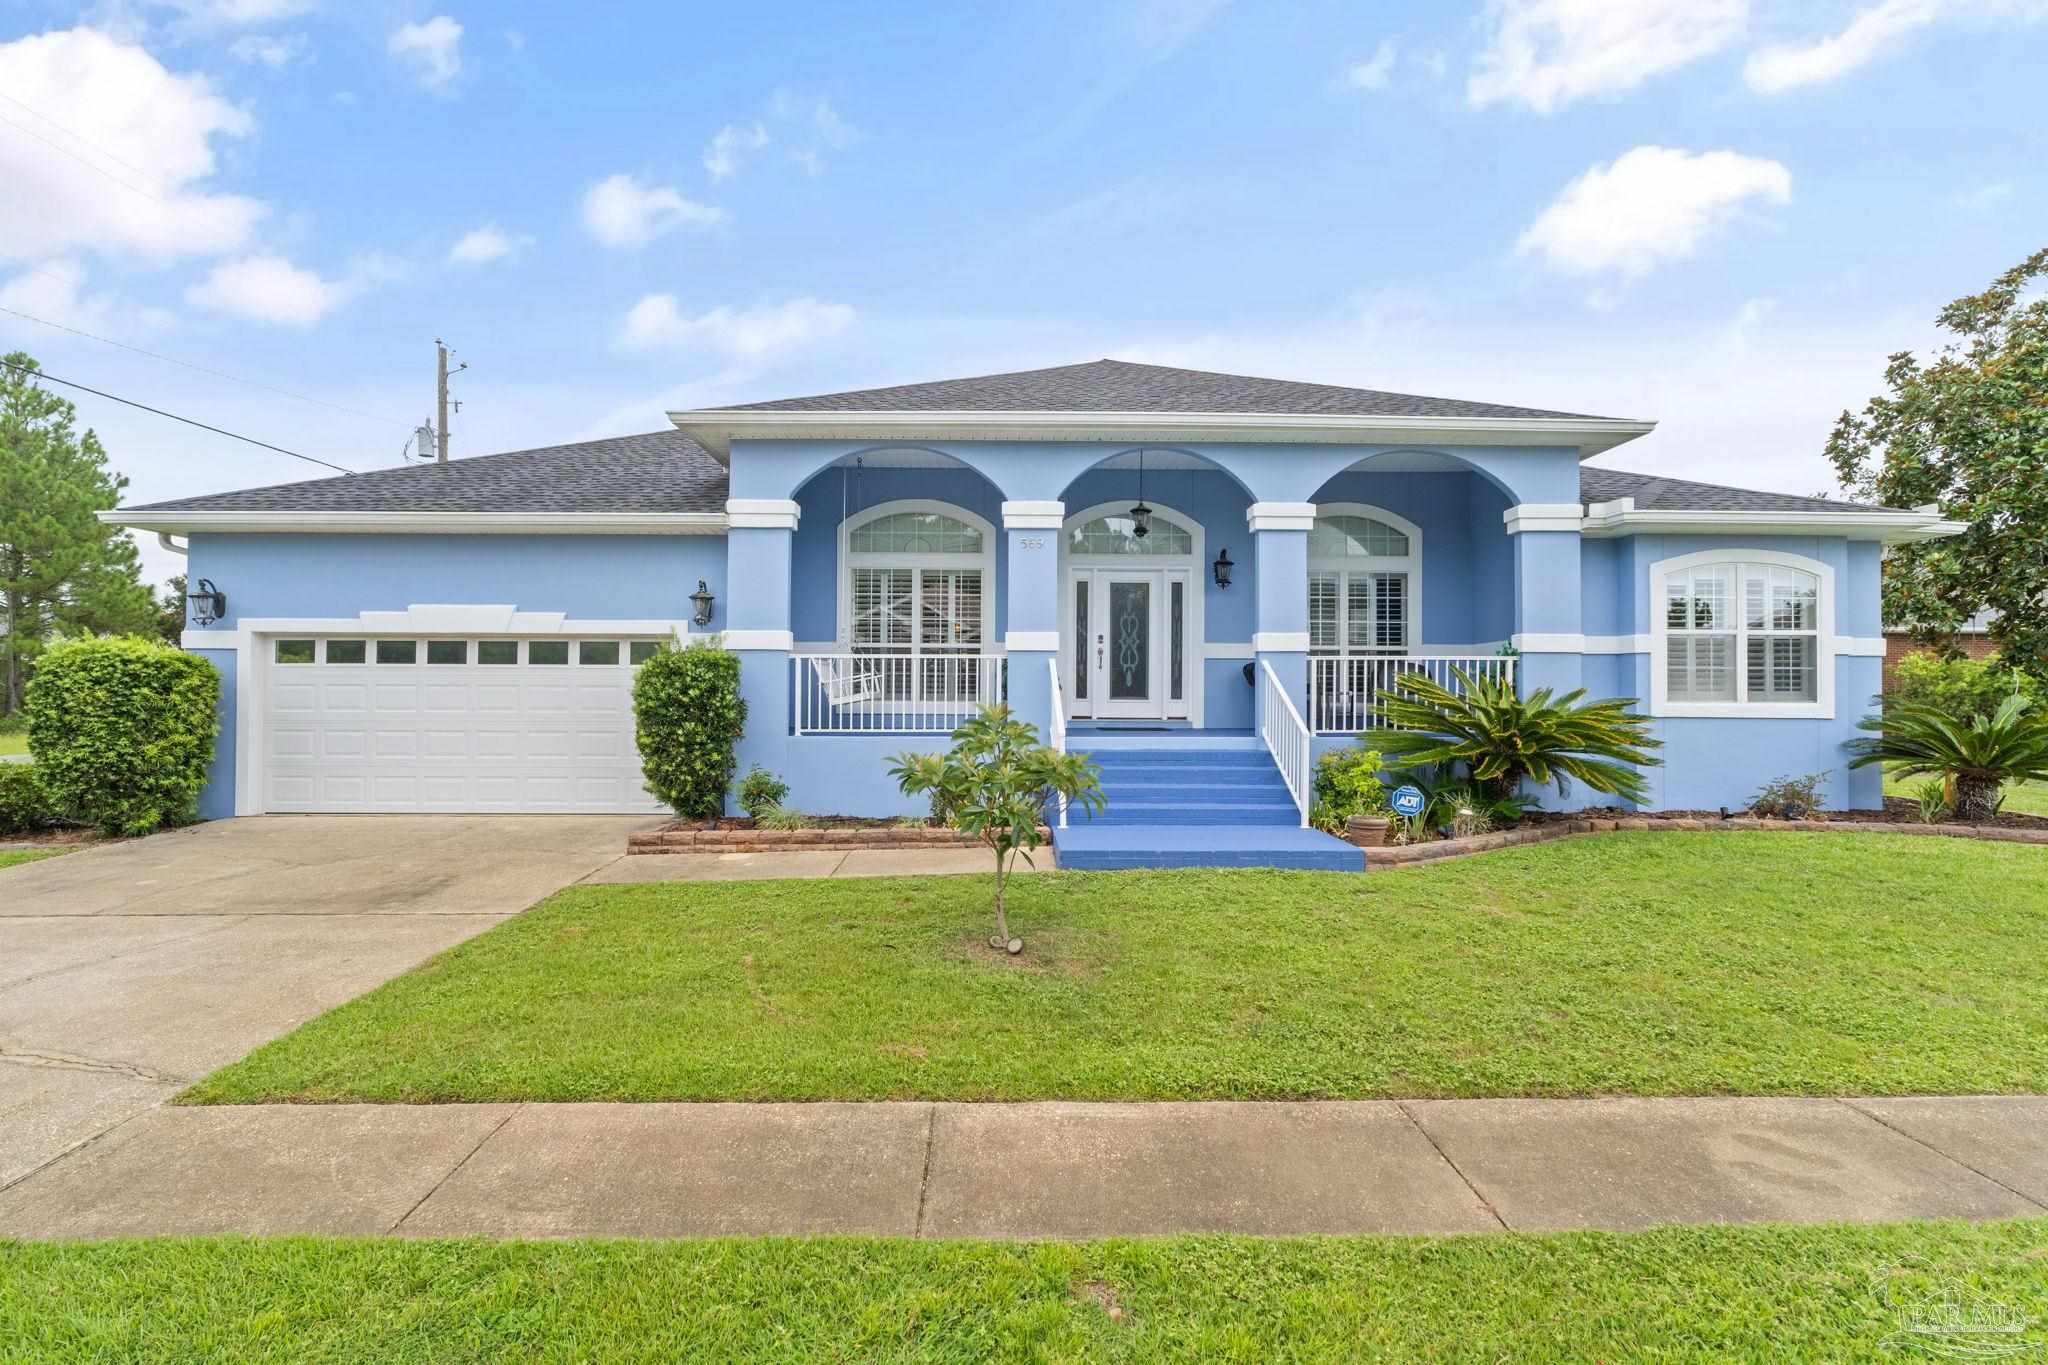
x=207, y=603
x=1141, y=515
x=1223, y=566
x=701, y=600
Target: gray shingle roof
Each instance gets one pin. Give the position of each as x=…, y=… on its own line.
x=1124, y=386
x=661, y=471
x=1654, y=494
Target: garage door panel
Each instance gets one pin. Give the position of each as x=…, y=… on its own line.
x=416, y=737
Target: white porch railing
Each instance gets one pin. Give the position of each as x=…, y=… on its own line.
x=1058, y=726
x=1343, y=692
x=1286, y=738
x=893, y=694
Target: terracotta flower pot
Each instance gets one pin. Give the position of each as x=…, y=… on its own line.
x=1367, y=831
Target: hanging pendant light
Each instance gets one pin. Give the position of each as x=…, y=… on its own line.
x=1141, y=515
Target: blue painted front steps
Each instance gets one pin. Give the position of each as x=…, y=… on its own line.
x=1193, y=799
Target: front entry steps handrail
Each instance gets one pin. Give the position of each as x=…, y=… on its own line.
x=1058, y=727
x=1286, y=737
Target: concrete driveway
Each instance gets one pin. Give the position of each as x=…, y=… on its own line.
x=129, y=970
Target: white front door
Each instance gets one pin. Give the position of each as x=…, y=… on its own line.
x=1119, y=663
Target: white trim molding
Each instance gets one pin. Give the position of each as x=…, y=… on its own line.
x=426, y=523
x=1539, y=643
x=1543, y=516
x=762, y=514
x=1862, y=646
x=1827, y=646
x=1020, y=641
x=1280, y=516
x=1034, y=516
x=717, y=428
x=1619, y=518
x=777, y=641
x=1280, y=642
x=1229, y=649
x=1618, y=644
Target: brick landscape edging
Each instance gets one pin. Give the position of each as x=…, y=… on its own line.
x=1394, y=855
x=767, y=840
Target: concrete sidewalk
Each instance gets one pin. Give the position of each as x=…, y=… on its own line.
x=1056, y=1170
x=813, y=863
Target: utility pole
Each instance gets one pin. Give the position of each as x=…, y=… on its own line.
x=441, y=399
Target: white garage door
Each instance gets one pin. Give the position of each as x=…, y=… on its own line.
x=399, y=724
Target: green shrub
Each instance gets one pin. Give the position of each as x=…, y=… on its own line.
x=1789, y=798
x=782, y=817
x=1935, y=801
x=1347, y=784
x=688, y=718
x=122, y=730
x=1963, y=688
x=23, y=804
x=1976, y=755
x=761, y=790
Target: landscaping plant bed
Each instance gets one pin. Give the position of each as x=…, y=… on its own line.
x=741, y=835
x=1899, y=817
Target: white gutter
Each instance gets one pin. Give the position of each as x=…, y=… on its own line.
x=163, y=538
x=716, y=428
x=425, y=523
x=1619, y=518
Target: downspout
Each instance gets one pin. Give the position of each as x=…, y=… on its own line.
x=163, y=538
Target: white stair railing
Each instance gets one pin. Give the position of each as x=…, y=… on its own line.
x=1058, y=726
x=1344, y=691
x=1286, y=737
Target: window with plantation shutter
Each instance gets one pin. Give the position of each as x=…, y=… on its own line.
x=1742, y=631
x=917, y=579
x=1363, y=569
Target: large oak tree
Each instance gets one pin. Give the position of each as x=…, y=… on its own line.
x=61, y=569
x=1968, y=432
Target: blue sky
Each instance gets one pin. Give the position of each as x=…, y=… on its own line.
x=1721, y=214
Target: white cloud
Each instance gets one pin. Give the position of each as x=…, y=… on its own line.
x=1787, y=66
x=620, y=211
x=730, y=146
x=275, y=51
x=1984, y=198
x=236, y=13
x=268, y=289
x=114, y=155
x=743, y=333
x=1548, y=53
x=55, y=292
x=1375, y=71
x=1649, y=206
x=432, y=51
x=1162, y=27
x=480, y=246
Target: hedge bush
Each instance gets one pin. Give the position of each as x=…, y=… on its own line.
x=1964, y=688
x=688, y=718
x=122, y=732
x=23, y=805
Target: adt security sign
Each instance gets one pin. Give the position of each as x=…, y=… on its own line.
x=1407, y=802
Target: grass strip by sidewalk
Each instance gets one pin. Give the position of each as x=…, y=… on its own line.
x=17, y=856
x=1759, y=1293
x=1655, y=964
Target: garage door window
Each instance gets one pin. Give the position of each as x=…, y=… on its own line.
x=447, y=651
x=347, y=651
x=398, y=651
x=547, y=651
x=640, y=651
x=597, y=652
x=295, y=651
x=497, y=651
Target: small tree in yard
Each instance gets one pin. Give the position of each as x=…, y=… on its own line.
x=997, y=780
x=1977, y=754
x=687, y=720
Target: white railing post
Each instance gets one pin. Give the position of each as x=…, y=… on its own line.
x=1345, y=689
x=1058, y=726
x=892, y=693
x=1286, y=737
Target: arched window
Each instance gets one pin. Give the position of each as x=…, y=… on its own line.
x=1364, y=581
x=1117, y=535
x=1742, y=632
x=919, y=580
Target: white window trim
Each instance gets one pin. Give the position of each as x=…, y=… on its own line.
x=1410, y=564
x=1827, y=645
x=249, y=639
x=1195, y=564
x=849, y=561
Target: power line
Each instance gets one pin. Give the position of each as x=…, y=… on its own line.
x=68, y=130
x=188, y=421
x=202, y=369
x=89, y=165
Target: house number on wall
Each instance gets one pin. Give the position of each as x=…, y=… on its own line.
x=1031, y=542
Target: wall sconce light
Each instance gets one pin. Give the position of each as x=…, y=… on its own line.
x=206, y=602
x=701, y=600
x=1223, y=566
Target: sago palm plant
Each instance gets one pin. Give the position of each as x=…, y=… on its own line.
x=1502, y=738
x=1979, y=754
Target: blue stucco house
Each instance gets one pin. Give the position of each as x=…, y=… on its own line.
x=1204, y=579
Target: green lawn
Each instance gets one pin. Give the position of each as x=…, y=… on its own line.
x=15, y=743
x=16, y=857
x=2021, y=798
x=1672, y=1294
x=1749, y=963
